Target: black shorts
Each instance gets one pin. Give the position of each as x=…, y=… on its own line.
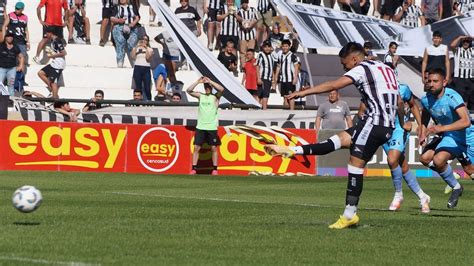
x=52, y=73
x=206, y=136
x=253, y=92
x=389, y=7
x=212, y=14
x=286, y=88
x=226, y=38
x=107, y=12
x=432, y=144
x=57, y=30
x=263, y=91
x=367, y=138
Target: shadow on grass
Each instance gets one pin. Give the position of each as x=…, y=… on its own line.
x=26, y=223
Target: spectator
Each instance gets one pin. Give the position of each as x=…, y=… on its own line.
x=160, y=76
x=461, y=7
x=10, y=54
x=265, y=20
x=228, y=58
x=64, y=108
x=211, y=8
x=408, y=14
x=51, y=73
x=355, y=6
x=389, y=7
x=17, y=22
x=190, y=17
x=95, y=103
x=125, y=32
x=206, y=128
x=464, y=69
x=53, y=21
x=369, y=54
x=78, y=6
x=142, y=55
x=286, y=73
x=303, y=84
x=265, y=68
x=171, y=54
x=432, y=9
x=247, y=17
x=436, y=56
x=176, y=98
x=390, y=58
x=333, y=114
x=448, y=8
x=137, y=96
x=108, y=9
x=3, y=12
x=276, y=38
x=249, y=79
x=229, y=24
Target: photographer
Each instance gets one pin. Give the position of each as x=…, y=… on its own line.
x=142, y=55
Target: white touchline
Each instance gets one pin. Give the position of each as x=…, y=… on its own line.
x=42, y=261
x=230, y=200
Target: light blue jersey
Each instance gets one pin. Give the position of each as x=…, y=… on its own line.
x=399, y=136
x=443, y=112
x=470, y=141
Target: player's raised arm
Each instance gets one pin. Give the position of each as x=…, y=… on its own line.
x=190, y=89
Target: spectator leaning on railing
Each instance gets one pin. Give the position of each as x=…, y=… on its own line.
x=95, y=104
x=78, y=6
x=64, y=108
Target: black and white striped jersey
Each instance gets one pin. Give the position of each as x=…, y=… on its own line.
x=230, y=25
x=436, y=57
x=266, y=63
x=109, y=3
x=264, y=5
x=214, y=4
x=248, y=15
x=378, y=87
x=287, y=63
x=411, y=16
x=127, y=12
x=465, y=6
x=464, y=63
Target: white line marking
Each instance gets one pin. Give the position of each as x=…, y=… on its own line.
x=232, y=200
x=43, y=261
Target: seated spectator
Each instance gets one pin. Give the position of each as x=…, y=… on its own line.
x=125, y=32
x=390, y=58
x=137, y=96
x=249, y=79
x=408, y=14
x=64, y=108
x=176, y=98
x=11, y=61
x=228, y=57
x=171, y=54
x=95, y=104
x=369, y=54
x=77, y=15
x=333, y=114
x=160, y=75
x=142, y=55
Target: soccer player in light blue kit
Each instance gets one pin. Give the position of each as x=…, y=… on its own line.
x=448, y=110
x=395, y=150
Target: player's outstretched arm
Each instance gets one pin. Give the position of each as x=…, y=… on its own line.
x=462, y=123
x=323, y=87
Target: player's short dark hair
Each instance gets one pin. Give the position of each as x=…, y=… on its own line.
x=349, y=48
x=251, y=50
x=101, y=92
x=137, y=90
x=437, y=71
x=207, y=86
x=286, y=42
x=437, y=33
x=393, y=43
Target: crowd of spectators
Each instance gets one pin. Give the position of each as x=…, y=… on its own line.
x=248, y=40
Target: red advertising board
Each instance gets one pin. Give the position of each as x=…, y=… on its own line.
x=134, y=149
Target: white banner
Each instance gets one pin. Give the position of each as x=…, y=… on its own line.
x=199, y=56
x=320, y=27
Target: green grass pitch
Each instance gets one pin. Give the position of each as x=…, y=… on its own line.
x=124, y=219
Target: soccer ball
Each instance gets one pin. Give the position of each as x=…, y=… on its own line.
x=27, y=199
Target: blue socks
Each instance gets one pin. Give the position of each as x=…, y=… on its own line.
x=448, y=177
x=397, y=178
x=412, y=183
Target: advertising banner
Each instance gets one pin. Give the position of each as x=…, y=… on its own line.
x=57, y=146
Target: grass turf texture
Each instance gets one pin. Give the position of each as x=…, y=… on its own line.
x=127, y=219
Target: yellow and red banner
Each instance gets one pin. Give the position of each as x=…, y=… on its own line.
x=56, y=146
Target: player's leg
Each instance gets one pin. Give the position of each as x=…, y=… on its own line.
x=199, y=138
x=414, y=186
x=214, y=141
x=70, y=24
